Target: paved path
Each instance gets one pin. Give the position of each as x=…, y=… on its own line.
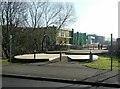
x=63, y=70
x=87, y=51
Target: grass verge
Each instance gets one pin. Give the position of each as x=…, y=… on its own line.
x=5, y=61
x=104, y=63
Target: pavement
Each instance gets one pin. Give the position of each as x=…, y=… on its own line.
x=62, y=71
x=50, y=57
x=86, y=51
x=82, y=57
x=41, y=56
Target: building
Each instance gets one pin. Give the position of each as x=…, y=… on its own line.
x=100, y=39
x=57, y=38
x=91, y=39
x=64, y=38
x=94, y=39
x=79, y=39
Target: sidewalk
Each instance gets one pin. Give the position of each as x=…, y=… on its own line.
x=62, y=70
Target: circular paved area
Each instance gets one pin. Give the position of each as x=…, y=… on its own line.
x=42, y=56
x=72, y=54
x=80, y=52
x=50, y=57
x=82, y=57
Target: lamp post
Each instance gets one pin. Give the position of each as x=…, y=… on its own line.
x=10, y=48
x=111, y=51
x=43, y=41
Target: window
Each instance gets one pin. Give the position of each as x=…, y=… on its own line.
x=62, y=34
x=67, y=33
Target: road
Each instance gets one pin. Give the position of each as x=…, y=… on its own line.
x=17, y=82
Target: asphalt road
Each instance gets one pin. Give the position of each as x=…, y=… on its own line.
x=17, y=82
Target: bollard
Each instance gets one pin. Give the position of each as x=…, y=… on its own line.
x=34, y=54
x=91, y=56
x=10, y=48
x=60, y=55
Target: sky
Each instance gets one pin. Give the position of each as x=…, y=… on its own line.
x=98, y=17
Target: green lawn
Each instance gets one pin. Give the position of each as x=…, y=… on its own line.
x=5, y=61
x=103, y=63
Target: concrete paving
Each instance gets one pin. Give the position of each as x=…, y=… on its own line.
x=50, y=57
x=42, y=56
x=81, y=52
x=81, y=57
x=71, y=54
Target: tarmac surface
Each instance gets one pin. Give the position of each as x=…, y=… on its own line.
x=40, y=84
x=62, y=71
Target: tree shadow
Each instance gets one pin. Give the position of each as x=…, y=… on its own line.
x=104, y=79
x=96, y=75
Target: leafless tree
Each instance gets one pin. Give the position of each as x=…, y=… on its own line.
x=34, y=17
x=11, y=13
x=34, y=14
x=66, y=15
x=58, y=14
x=50, y=11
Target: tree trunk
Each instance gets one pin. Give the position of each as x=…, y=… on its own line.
x=6, y=53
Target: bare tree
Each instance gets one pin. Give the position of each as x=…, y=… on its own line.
x=34, y=14
x=34, y=17
x=58, y=14
x=66, y=15
x=12, y=13
x=50, y=12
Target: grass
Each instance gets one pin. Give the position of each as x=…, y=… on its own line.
x=104, y=63
x=5, y=61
